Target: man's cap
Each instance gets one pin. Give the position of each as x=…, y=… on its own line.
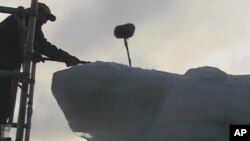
x=45, y=9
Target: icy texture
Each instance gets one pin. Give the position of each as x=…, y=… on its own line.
x=112, y=102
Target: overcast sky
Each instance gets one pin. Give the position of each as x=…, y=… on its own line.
x=170, y=35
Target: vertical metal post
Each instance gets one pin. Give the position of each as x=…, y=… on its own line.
x=28, y=49
x=14, y=87
x=30, y=102
x=22, y=39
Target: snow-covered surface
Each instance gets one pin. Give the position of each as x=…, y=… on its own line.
x=112, y=102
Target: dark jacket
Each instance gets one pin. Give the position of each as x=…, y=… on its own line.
x=11, y=51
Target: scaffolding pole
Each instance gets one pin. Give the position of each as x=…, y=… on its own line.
x=30, y=102
x=28, y=51
x=11, y=10
x=27, y=77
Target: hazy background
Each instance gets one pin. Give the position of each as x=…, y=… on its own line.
x=170, y=35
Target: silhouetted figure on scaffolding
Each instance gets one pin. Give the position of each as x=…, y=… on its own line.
x=11, y=53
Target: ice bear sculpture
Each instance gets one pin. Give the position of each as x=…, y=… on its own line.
x=113, y=102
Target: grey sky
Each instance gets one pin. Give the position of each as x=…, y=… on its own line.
x=170, y=35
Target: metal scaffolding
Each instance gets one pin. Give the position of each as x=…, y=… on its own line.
x=27, y=76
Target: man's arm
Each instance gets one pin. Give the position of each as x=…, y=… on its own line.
x=42, y=46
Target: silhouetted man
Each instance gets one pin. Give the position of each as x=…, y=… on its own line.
x=11, y=52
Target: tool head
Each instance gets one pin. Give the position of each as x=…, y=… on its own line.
x=124, y=31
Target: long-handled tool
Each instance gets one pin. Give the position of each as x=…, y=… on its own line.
x=125, y=31
x=49, y=59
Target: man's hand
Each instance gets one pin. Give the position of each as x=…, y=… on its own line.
x=37, y=57
x=71, y=60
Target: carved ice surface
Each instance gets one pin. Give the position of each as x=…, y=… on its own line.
x=113, y=102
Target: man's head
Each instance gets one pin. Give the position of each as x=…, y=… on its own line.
x=44, y=14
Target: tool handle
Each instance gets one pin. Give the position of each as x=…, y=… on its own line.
x=126, y=45
x=80, y=62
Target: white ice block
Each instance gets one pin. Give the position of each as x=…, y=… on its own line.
x=113, y=102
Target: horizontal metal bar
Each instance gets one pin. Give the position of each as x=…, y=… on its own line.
x=14, y=125
x=9, y=74
x=19, y=11
x=5, y=139
x=9, y=10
